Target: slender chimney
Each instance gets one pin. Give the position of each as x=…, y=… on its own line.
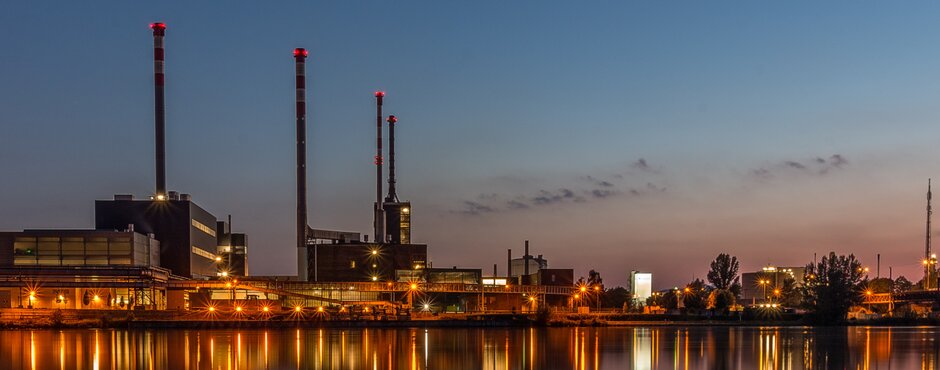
x=509, y=264
x=525, y=259
x=392, y=196
x=379, y=212
x=159, y=31
x=300, y=56
x=927, y=260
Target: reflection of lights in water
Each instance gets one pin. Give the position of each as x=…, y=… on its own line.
x=425, y=348
x=62, y=350
x=32, y=351
x=297, y=341
x=414, y=352
x=96, y=361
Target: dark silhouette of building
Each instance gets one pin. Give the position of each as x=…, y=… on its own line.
x=187, y=233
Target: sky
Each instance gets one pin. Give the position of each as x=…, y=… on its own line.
x=613, y=135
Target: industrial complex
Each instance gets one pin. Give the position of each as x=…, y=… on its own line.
x=163, y=251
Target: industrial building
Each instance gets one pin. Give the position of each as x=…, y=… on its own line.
x=641, y=286
x=187, y=232
x=165, y=251
x=760, y=285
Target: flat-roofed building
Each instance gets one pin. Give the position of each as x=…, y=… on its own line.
x=363, y=261
x=78, y=248
x=187, y=233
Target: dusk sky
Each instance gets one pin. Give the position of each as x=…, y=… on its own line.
x=617, y=136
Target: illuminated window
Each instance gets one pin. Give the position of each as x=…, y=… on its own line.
x=201, y=253
x=352, y=264
x=202, y=227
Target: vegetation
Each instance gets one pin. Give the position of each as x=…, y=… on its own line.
x=832, y=286
x=723, y=275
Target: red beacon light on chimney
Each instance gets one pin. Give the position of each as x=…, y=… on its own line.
x=392, y=119
x=379, y=94
x=157, y=25
x=300, y=52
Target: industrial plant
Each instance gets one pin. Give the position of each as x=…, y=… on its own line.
x=164, y=252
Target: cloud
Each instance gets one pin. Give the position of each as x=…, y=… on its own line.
x=642, y=165
x=598, y=182
x=474, y=208
x=603, y=193
x=814, y=166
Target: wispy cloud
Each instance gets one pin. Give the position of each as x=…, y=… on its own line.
x=814, y=166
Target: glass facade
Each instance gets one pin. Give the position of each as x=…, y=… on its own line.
x=90, y=248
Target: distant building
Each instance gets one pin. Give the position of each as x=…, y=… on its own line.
x=232, y=249
x=397, y=222
x=187, y=233
x=358, y=261
x=641, y=285
x=518, y=265
x=753, y=291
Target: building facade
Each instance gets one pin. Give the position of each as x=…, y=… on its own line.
x=187, y=233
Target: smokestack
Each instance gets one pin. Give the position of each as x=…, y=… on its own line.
x=392, y=196
x=525, y=259
x=379, y=212
x=159, y=116
x=508, y=264
x=300, y=56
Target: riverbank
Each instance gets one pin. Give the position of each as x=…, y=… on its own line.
x=49, y=318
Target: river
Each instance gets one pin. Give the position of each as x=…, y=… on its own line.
x=663, y=347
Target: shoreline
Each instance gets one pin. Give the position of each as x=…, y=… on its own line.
x=15, y=319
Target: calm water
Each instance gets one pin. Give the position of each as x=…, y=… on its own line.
x=447, y=348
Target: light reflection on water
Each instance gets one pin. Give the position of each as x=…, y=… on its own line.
x=474, y=348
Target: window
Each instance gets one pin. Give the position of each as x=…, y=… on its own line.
x=202, y=227
x=352, y=264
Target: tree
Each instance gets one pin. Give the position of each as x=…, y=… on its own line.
x=790, y=295
x=720, y=300
x=880, y=285
x=723, y=275
x=724, y=272
x=595, y=285
x=694, y=295
x=901, y=285
x=832, y=286
x=616, y=297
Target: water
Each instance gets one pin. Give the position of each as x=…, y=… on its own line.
x=474, y=348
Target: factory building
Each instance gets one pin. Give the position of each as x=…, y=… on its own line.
x=759, y=285
x=232, y=249
x=81, y=269
x=187, y=233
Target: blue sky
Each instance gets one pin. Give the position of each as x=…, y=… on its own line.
x=518, y=120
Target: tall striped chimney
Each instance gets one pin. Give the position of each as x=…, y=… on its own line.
x=300, y=56
x=159, y=31
x=379, y=211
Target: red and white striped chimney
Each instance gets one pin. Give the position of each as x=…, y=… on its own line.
x=300, y=57
x=159, y=31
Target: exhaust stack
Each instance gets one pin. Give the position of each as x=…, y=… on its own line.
x=379, y=211
x=300, y=56
x=392, y=196
x=159, y=31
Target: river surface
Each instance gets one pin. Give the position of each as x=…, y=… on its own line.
x=476, y=348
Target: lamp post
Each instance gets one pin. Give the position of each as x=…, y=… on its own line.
x=763, y=284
